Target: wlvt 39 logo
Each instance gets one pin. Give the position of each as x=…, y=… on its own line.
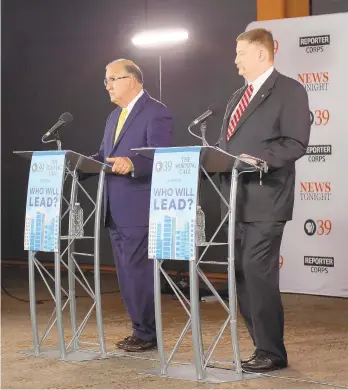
x=321, y=227
x=319, y=117
x=314, y=44
x=163, y=166
x=318, y=153
x=38, y=167
x=318, y=264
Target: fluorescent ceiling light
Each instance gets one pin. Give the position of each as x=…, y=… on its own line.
x=155, y=38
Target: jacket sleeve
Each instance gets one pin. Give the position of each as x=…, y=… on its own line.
x=159, y=133
x=295, y=129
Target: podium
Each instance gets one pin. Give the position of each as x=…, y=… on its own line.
x=211, y=160
x=68, y=164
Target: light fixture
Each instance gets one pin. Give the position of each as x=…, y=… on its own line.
x=159, y=37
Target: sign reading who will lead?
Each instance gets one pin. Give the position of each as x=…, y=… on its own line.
x=42, y=217
x=174, y=203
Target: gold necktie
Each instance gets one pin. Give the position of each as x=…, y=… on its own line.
x=120, y=123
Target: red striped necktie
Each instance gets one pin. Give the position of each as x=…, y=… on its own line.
x=243, y=103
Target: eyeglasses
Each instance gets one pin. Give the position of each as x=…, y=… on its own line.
x=114, y=79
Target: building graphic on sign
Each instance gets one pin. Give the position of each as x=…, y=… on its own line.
x=168, y=239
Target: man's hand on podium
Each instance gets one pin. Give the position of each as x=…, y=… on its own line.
x=249, y=159
x=121, y=165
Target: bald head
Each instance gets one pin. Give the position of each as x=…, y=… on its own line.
x=130, y=67
x=123, y=81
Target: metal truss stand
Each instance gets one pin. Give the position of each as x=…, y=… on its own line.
x=72, y=349
x=212, y=160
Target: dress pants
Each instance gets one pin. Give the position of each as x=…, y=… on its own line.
x=257, y=253
x=135, y=276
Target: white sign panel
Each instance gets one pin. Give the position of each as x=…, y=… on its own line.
x=314, y=257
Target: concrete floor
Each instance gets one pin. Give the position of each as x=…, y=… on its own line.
x=316, y=339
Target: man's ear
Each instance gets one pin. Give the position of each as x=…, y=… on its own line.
x=263, y=55
x=132, y=82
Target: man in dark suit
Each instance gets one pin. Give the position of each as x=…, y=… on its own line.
x=268, y=119
x=138, y=121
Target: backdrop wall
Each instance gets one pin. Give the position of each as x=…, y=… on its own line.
x=320, y=7
x=53, y=59
x=311, y=50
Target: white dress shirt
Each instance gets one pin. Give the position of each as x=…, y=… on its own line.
x=129, y=109
x=257, y=84
x=132, y=103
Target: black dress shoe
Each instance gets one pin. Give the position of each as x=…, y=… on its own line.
x=138, y=345
x=122, y=343
x=252, y=357
x=263, y=363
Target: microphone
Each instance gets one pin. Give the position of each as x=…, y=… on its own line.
x=212, y=110
x=63, y=120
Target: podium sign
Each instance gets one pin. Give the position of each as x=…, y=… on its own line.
x=42, y=217
x=173, y=203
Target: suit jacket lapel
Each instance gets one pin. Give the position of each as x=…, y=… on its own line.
x=229, y=109
x=260, y=96
x=135, y=111
x=111, y=131
x=232, y=105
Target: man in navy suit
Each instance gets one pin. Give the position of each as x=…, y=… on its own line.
x=138, y=121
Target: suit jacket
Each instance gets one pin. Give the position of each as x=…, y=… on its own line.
x=149, y=124
x=275, y=127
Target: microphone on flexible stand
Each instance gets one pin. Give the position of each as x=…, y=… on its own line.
x=212, y=110
x=63, y=120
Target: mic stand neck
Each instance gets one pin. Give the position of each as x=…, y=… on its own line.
x=58, y=141
x=203, y=131
x=55, y=139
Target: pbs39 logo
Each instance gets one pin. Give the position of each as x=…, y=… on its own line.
x=319, y=117
x=321, y=227
x=38, y=167
x=163, y=166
